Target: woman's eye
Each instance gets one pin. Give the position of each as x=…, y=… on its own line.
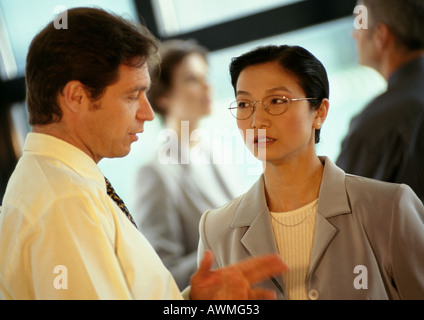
x=243, y=104
x=191, y=79
x=279, y=101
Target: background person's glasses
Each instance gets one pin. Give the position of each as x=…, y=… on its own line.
x=243, y=109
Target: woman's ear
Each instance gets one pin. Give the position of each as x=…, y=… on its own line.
x=321, y=113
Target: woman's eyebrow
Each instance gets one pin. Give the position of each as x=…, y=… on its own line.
x=241, y=92
x=282, y=88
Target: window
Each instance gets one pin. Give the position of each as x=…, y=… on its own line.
x=176, y=16
x=323, y=27
x=24, y=19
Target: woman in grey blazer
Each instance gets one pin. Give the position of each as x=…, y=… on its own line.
x=343, y=236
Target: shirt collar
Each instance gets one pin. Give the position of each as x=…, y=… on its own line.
x=73, y=157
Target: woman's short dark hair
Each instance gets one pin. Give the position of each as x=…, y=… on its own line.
x=90, y=50
x=303, y=65
x=172, y=52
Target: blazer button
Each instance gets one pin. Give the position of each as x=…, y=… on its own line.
x=313, y=294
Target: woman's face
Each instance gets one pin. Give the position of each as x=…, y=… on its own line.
x=189, y=97
x=287, y=136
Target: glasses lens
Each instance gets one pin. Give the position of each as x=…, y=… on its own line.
x=241, y=109
x=277, y=105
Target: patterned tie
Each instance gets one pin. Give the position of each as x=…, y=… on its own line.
x=111, y=192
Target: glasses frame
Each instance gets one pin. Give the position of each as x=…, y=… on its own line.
x=266, y=108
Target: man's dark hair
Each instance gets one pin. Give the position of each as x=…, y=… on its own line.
x=405, y=18
x=90, y=50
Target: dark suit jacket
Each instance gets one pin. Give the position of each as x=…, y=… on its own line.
x=386, y=140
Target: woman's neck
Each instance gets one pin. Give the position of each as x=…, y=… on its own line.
x=183, y=129
x=292, y=184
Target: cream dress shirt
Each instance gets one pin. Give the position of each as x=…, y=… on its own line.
x=63, y=237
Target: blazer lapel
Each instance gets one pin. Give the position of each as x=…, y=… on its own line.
x=324, y=233
x=258, y=239
x=332, y=201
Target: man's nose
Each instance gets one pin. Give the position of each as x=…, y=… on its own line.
x=145, y=111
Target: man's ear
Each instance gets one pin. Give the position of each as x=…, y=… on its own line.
x=73, y=96
x=382, y=36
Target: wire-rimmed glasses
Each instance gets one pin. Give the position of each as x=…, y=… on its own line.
x=243, y=109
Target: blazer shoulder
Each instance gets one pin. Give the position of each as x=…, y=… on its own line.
x=370, y=192
x=225, y=212
x=217, y=222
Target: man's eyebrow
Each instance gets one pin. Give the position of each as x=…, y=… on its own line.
x=139, y=88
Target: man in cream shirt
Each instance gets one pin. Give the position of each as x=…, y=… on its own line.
x=68, y=246
x=62, y=236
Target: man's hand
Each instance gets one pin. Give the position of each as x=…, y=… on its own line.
x=235, y=281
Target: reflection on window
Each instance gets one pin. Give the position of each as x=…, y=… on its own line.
x=21, y=21
x=24, y=19
x=176, y=16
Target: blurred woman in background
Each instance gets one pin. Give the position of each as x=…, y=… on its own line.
x=174, y=192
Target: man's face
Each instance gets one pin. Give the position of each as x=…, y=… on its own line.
x=365, y=46
x=110, y=125
x=366, y=42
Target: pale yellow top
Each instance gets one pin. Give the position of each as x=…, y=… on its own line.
x=294, y=235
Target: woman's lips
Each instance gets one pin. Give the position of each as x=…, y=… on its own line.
x=263, y=141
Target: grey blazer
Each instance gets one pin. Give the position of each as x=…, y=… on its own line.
x=368, y=242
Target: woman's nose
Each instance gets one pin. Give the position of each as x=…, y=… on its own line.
x=259, y=118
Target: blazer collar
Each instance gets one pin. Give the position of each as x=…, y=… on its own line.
x=333, y=198
x=252, y=204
